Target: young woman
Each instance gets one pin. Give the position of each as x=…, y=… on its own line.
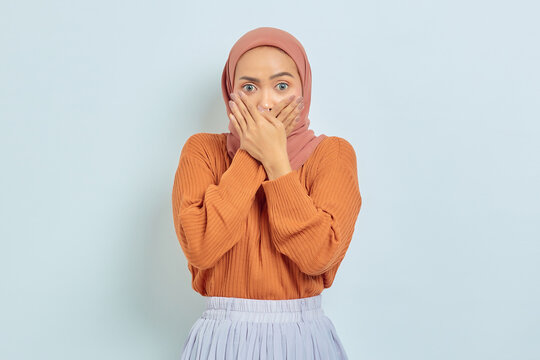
x=265, y=213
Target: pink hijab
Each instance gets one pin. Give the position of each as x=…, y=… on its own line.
x=302, y=141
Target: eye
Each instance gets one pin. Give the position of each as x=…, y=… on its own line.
x=244, y=87
x=282, y=83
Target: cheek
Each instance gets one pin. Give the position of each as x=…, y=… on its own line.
x=298, y=91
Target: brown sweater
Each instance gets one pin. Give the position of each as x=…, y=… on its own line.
x=282, y=240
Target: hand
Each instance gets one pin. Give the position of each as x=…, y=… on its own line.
x=292, y=109
x=262, y=135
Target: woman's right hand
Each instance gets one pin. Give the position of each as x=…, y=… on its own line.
x=262, y=134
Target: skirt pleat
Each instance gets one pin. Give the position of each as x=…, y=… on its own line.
x=238, y=328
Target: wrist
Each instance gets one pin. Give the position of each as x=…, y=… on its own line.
x=277, y=167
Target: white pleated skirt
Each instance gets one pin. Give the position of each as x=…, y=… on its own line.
x=238, y=328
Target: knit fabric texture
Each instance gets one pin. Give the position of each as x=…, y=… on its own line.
x=246, y=236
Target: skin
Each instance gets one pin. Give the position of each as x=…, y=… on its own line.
x=264, y=110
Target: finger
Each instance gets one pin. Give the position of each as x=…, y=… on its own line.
x=243, y=110
x=292, y=125
x=267, y=116
x=294, y=114
x=290, y=108
x=238, y=116
x=293, y=120
x=277, y=109
x=289, y=124
x=250, y=107
x=235, y=124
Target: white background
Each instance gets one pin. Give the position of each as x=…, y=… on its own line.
x=440, y=100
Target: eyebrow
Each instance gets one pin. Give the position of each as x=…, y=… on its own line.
x=284, y=73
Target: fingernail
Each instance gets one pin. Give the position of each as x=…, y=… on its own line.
x=291, y=97
x=231, y=103
x=299, y=99
x=301, y=106
x=297, y=119
x=233, y=96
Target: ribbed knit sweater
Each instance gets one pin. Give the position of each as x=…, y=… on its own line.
x=249, y=237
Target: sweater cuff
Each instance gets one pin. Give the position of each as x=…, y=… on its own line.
x=243, y=178
x=285, y=195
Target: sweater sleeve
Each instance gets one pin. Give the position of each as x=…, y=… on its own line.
x=209, y=216
x=315, y=229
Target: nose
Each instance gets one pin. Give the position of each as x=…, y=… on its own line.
x=266, y=100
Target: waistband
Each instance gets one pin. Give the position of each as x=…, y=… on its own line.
x=258, y=310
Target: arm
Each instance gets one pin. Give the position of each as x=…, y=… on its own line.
x=209, y=216
x=314, y=230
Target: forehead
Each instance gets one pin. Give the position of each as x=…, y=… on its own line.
x=264, y=60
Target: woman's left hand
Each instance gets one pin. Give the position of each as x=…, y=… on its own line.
x=287, y=111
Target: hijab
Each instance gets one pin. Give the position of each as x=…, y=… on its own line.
x=302, y=141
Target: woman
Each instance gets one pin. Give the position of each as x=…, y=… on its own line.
x=265, y=213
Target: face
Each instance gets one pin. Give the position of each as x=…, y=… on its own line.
x=267, y=75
